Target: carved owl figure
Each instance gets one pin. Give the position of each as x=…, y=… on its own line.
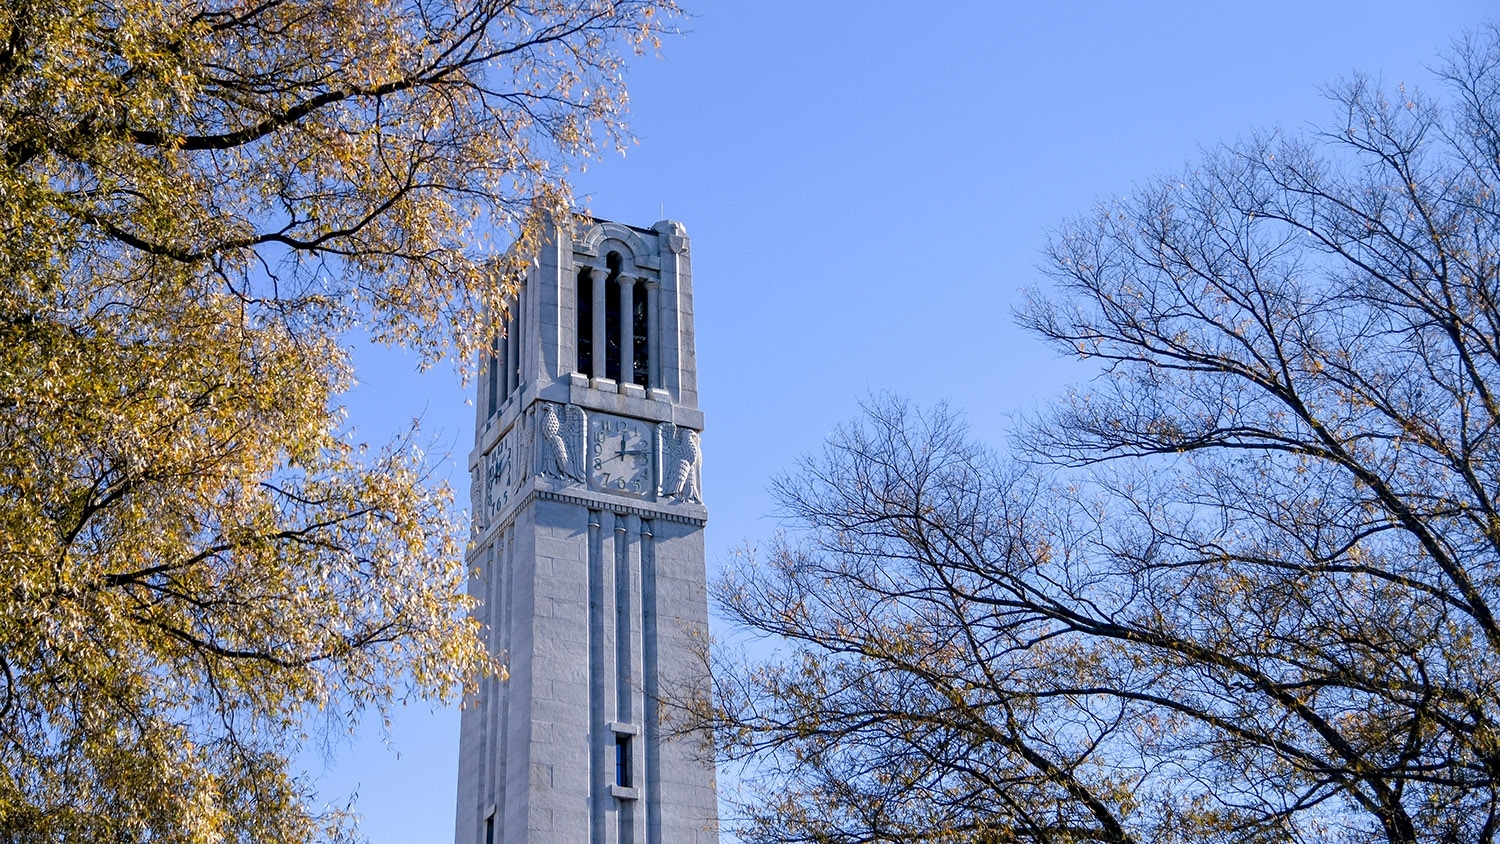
x=560, y=446
x=681, y=463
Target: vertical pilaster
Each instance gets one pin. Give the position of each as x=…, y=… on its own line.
x=487, y=692
x=598, y=679
x=500, y=648
x=526, y=345
x=679, y=361
x=650, y=685
x=653, y=334
x=621, y=830
x=512, y=349
x=601, y=334
x=489, y=371
x=552, y=318
x=623, y=626
x=633, y=818
x=626, y=289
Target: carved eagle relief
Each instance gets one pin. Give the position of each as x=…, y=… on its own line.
x=560, y=442
x=477, y=504
x=681, y=463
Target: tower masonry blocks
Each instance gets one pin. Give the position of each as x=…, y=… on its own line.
x=587, y=552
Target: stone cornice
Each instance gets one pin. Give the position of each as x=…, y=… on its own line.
x=687, y=514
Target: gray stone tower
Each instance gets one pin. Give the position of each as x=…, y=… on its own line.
x=588, y=544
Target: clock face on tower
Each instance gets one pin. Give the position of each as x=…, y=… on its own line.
x=619, y=455
x=498, y=472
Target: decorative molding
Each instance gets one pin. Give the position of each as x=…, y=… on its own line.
x=592, y=502
x=590, y=243
x=618, y=508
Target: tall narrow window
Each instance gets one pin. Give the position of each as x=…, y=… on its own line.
x=622, y=760
x=585, y=334
x=640, y=335
x=612, y=319
x=489, y=830
x=494, y=377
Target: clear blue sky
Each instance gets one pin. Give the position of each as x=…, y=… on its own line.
x=867, y=186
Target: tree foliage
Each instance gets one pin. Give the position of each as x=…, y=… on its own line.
x=199, y=200
x=1242, y=587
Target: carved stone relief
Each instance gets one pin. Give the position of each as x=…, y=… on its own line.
x=560, y=439
x=477, y=504
x=681, y=458
x=554, y=442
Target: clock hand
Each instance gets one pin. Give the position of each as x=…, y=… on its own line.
x=620, y=455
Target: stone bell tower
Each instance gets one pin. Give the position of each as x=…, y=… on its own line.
x=588, y=552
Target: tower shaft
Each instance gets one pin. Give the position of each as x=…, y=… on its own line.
x=587, y=557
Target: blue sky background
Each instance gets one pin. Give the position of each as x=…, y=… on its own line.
x=868, y=185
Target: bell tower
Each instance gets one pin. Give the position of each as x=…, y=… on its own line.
x=587, y=553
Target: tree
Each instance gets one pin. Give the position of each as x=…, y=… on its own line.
x=1241, y=588
x=200, y=200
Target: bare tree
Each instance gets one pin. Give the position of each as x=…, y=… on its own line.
x=1243, y=587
